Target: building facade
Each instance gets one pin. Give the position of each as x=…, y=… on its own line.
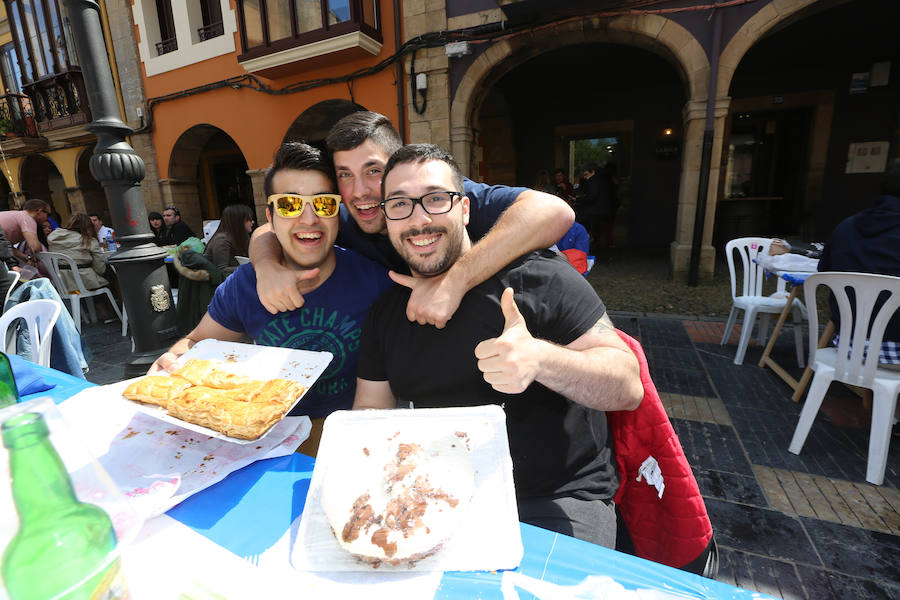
x=798, y=101
x=228, y=81
x=46, y=148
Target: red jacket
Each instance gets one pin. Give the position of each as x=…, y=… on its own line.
x=672, y=530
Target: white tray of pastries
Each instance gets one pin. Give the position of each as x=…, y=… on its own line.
x=229, y=390
x=420, y=490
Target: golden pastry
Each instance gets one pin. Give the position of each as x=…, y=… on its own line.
x=242, y=413
x=205, y=373
x=156, y=389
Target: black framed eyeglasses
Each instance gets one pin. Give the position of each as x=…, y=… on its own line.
x=434, y=203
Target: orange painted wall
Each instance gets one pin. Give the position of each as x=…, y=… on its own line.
x=257, y=121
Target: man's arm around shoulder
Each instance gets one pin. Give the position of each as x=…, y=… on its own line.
x=534, y=220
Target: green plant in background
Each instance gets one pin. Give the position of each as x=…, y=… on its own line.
x=5, y=125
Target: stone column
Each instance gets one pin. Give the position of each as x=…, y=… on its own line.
x=461, y=142
x=257, y=179
x=433, y=125
x=680, y=249
x=75, y=197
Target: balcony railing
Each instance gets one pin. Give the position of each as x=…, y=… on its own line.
x=16, y=116
x=207, y=32
x=59, y=101
x=166, y=46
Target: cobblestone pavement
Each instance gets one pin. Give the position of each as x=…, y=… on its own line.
x=805, y=526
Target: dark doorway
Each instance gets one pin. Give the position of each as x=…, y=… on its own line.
x=765, y=168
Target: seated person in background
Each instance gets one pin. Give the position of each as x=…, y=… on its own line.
x=176, y=230
x=158, y=228
x=303, y=211
x=78, y=241
x=101, y=230
x=575, y=246
x=869, y=242
x=534, y=338
x=505, y=222
x=22, y=226
x=231, y=238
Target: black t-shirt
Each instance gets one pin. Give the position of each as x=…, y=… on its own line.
x=178, y=232
x=558, y=447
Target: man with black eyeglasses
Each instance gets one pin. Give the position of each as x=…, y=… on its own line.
x=176, y=230
x=339, y=286
x=533, y=338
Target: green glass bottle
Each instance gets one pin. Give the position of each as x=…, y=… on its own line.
x=64, y=548
x=9, y=393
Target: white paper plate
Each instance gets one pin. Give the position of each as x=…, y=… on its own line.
x=488, y=537
x=258, y=362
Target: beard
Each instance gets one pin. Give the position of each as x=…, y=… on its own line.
x=440, y=260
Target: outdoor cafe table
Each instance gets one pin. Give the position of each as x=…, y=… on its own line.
x=254, y=507
x=795, y=279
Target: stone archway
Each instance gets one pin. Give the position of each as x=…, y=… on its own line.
x=314, y=123
x=757, y=26
x=652, y=32
x=40, y=178
x=207, y=171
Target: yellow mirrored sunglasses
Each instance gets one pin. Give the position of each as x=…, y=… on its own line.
x=291, y=205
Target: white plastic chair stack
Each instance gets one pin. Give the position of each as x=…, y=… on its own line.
x=51, y=261
x=40, y=317
x=752, y=301
x=856, y=364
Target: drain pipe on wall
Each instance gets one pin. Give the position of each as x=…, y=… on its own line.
x=706, y=156
x=401, y=99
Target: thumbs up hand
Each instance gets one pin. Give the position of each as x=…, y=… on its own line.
x=512, y=361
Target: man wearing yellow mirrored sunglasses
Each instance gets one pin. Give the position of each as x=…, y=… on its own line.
x=338, y=285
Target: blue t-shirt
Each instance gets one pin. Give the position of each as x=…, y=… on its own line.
x=330, y=319
x=486, y=203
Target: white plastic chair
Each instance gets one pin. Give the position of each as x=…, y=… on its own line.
x=752, y=301
x=854, y=366
x=241, y=260
x=40, y=317
x=13, y=280
x=51, y=261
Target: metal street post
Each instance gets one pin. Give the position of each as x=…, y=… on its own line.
x=139, y=264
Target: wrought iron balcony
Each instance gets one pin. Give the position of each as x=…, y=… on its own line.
x=16, y=117
x=207, y=32
x=166, y=46
x=59, y=101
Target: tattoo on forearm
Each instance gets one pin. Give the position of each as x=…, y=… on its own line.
x=604, y=325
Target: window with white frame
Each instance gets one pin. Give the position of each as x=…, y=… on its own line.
x=177, y=33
